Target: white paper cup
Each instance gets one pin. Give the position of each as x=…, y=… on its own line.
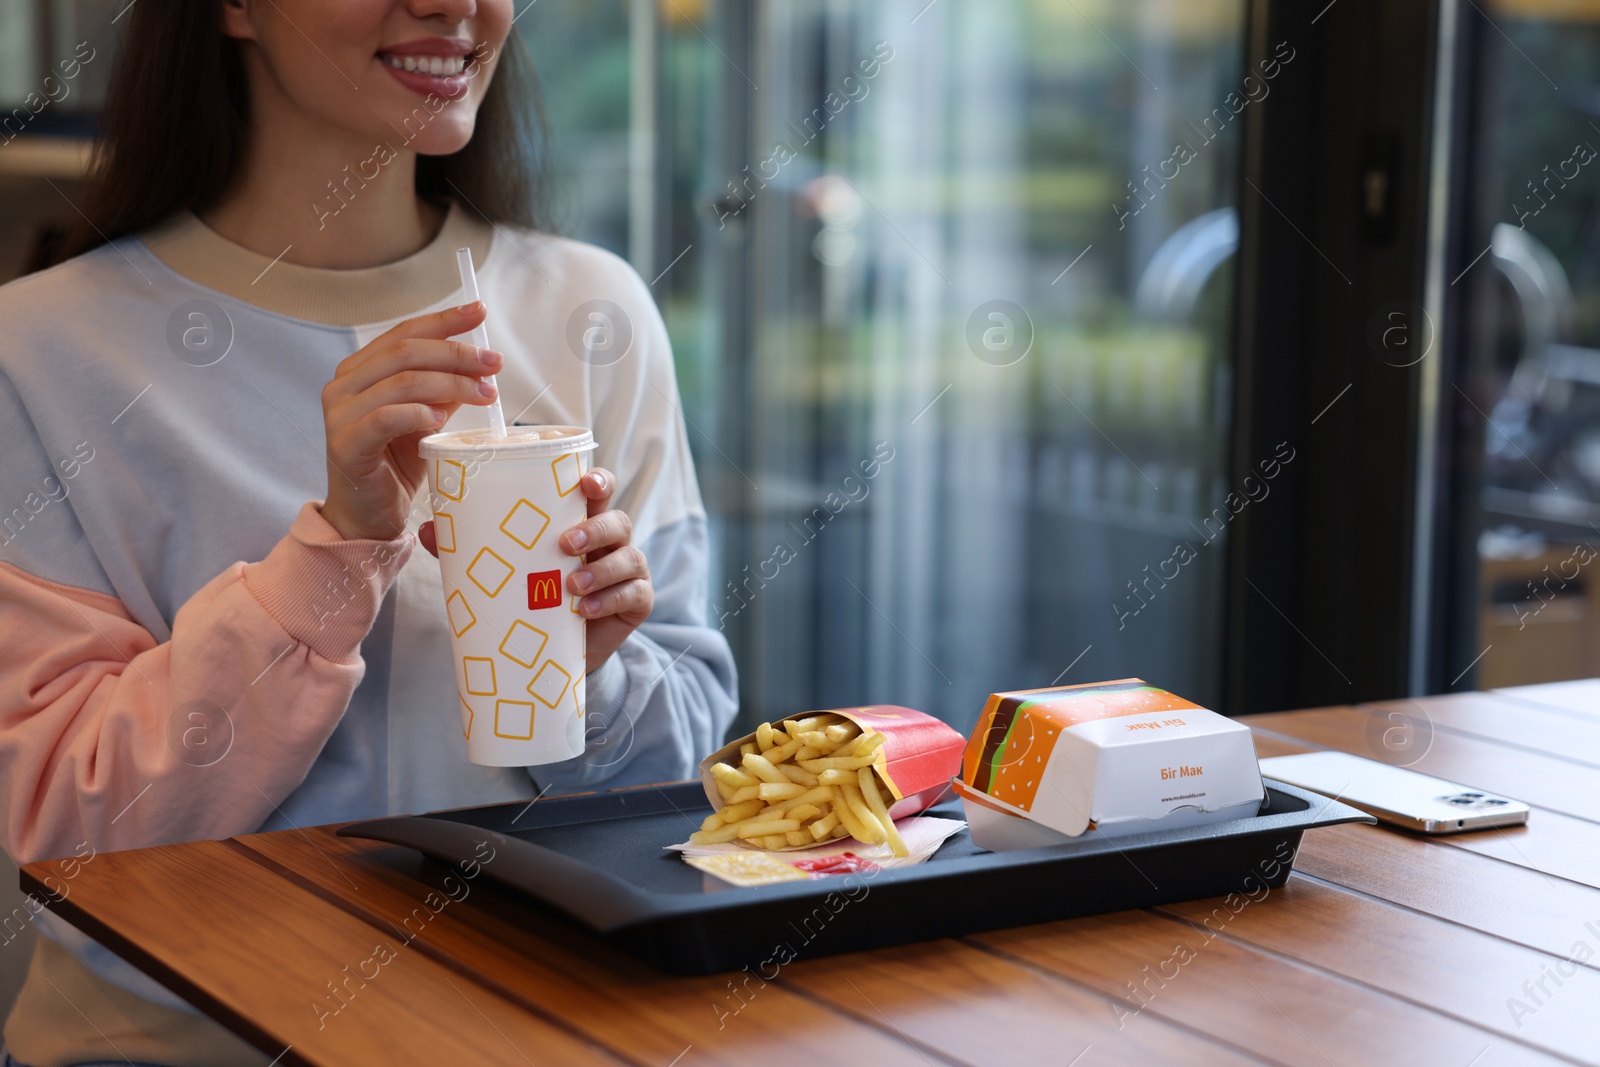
x=499, y=509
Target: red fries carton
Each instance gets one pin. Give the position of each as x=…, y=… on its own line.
x=1044, y=765
x=918, y=758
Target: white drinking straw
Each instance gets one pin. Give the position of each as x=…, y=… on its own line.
x=480, y=336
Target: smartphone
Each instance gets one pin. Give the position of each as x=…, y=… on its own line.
x=1395, y=795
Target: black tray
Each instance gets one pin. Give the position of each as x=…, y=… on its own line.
x=598, y=860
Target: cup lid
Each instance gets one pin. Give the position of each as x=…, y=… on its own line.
x=519, y=441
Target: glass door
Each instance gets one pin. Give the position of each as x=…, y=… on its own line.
x=1530, y=401
x=950, y=288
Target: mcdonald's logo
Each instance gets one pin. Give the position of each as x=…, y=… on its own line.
x=544, y=590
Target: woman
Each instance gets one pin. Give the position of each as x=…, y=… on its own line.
x=215, y=617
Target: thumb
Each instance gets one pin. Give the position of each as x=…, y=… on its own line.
x=425, y=536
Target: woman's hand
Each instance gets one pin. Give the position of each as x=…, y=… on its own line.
x=615, y=582
x=386, y=398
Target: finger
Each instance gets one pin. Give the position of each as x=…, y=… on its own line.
x=599, y=531
x=367, y=437
x=437, y=388
x=634, y=597
x=611, y=569
x=598, y=485
x=416, y=353
x=426, y=539
x=438, y=325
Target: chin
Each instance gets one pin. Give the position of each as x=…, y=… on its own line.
x=444, y=136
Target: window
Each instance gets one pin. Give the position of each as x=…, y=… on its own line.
x=1531, y=398
x=950, y=291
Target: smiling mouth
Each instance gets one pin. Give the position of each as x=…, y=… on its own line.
x=436, y=66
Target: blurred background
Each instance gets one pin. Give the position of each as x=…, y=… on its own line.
x=1079, y=282
x=820, y=308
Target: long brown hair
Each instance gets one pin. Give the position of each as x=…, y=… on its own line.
x=173, y=131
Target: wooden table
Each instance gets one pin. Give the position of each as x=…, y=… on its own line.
x=1383, y=948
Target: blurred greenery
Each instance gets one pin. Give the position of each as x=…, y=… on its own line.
x=580, y=53
x=1530, y=124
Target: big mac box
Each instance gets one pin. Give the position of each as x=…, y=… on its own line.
x=1044, y=766
x=915, y=763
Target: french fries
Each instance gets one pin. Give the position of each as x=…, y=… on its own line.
x=802, y=781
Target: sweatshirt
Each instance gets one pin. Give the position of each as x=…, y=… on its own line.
x=191, y=651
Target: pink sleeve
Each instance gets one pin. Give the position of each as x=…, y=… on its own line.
x=109, y=738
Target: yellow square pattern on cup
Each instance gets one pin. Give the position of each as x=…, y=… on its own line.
x=479, y=671
x=525, y=524
x=568, y=471
x=550, y=684
x=489, y=572
x=523, y=644
x=460, y=612
x=449, y=479
x=466, y=717
x=444, y=532
x=513, y=719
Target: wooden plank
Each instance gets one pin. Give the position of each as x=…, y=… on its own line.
x=1551, y=842
x=1278, y=1009
x=980, y=1008
x=283, y=968
x=1473, y=976
x=1269, y=743
x=1516, y=724
x=1527, y=776
x=1520, y=905
x=737, y=1019
x=1581, y=697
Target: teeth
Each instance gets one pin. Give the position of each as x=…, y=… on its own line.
x=439, y=66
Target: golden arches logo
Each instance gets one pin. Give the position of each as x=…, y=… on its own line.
x=544, y=590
